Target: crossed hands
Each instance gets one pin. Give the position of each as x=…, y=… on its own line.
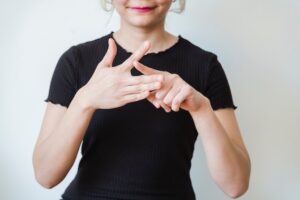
x=112, y=87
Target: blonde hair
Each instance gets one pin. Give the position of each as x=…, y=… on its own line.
x=107, y=5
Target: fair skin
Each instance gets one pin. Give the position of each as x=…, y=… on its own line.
x=63, y=128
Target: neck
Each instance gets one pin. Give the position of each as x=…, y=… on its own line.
x=131, y=37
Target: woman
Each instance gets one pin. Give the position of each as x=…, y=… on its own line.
x=138, y=98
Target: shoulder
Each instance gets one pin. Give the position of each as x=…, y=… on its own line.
x=91, y=46
x=87, y=52
x=196, y=52
x=205, y=63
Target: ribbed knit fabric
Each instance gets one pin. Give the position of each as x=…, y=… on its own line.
x=138, y=152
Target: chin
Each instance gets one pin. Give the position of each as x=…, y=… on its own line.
x=142, y=23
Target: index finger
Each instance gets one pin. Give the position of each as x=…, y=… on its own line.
x=144, y=69
x=137, y=55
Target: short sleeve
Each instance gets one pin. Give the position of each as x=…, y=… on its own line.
x=217, y=88
x=63, y=85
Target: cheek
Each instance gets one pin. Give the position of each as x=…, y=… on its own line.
x=119, y=4
x=119, y=1
x=164, y=1
x=164, y=5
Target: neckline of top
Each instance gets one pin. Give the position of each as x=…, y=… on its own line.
x=169, y=49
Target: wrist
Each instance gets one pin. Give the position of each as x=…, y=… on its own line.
x=204, y=111
x=82, y=101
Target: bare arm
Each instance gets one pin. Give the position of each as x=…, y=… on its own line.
x=227, y=157
x=57, y=146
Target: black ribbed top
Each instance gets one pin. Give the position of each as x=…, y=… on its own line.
x=137, y=151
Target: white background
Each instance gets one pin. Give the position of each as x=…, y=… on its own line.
x=257, y=42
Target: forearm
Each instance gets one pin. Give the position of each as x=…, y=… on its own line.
x=228, y=164
x=55, y=155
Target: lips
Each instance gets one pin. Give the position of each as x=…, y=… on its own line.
x=142, y=9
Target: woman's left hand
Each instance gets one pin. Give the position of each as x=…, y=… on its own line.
x=175, y=93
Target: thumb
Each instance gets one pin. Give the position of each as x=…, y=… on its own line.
x=110, y=53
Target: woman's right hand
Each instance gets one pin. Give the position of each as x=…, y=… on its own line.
x=112, y=87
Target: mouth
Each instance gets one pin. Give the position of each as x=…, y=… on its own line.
x=142, y=9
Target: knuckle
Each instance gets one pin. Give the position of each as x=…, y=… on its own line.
x=161, y=77
x=157, y=77
x=175, y=76
x=189, y=89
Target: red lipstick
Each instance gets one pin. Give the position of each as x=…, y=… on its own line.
x=142, y=9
